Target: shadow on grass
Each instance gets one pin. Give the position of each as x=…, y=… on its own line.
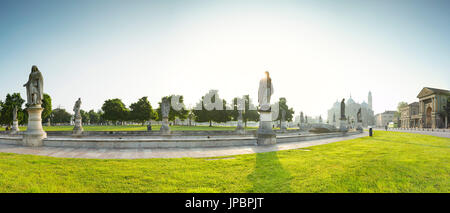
x=269, y=175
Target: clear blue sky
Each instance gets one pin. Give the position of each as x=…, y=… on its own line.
x=316, y=51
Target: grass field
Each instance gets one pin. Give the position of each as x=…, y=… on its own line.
x=387, y=162
x=134, y=128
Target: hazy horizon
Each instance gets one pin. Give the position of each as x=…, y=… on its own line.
x=317, y=52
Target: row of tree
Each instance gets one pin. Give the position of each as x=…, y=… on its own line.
x=115, y=111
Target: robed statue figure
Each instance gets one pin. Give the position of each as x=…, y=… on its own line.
x=358, y=116
x=165, y=107
x=265, y=92
x=15, y=113
x=35, y=87
x=343, y=109
x=77, y=108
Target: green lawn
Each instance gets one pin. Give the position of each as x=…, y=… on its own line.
x=135, y=128
x=387, y=162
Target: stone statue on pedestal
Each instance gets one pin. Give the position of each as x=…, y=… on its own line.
x=265, y=91
x=359, y=121
x=358, y=116
x=240, y=122
x=265, y=133
x=35, y=87
x=15, y=113
x=15, y=126
x=343, y=109
x=77, y=108
x=35, y=93
x=165, y=110
x=78, y=128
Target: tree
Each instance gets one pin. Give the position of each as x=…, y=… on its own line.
x=249, y=114
x=205, y=112
x=141, y=111
x=61, y=116
x=283, y=106
x=84, y=116
x=94, y=117
x=47, y=105
x=8, y=107
x=114, y=110
x=175, y=111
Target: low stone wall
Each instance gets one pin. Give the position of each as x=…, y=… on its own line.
x=421, y=129
x=168, y=142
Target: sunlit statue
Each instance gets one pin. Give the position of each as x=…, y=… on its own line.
x=77, y=108
x=35, y=87
x=15, y=113
x=265, y=92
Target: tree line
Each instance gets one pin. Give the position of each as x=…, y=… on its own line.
x=114, y=111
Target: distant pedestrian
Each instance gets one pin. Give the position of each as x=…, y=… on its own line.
x=385, y=127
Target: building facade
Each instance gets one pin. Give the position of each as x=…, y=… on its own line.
x=409, y=116
x=433, y=108
x=351, y=109
x=383, y=119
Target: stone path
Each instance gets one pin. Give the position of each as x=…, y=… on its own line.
x=66, y=152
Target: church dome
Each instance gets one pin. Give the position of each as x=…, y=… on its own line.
x=350, y=101
x=337, y=104
x=364, y=105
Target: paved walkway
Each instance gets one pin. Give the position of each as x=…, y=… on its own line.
x=67, y=152
x=433, y=133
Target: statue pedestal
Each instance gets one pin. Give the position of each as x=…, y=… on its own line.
x=15, y=127
x=240, y=127
x=266, y=135
x=359, y=127
x=343, y=125
x=34, y=134
x=283, y=127
x=165, y=129
x=78, y=128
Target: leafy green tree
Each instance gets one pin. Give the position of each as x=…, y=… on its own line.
x=84, y=116
x=283, y=106
x=175, y=111
x=47, y=105
x=61, y=116
x=141, y=111
x=205, y=112
x=114, y=110
x=8, y=107
x=249, y=114
x=94, y=117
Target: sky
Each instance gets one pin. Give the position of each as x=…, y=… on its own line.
x=316, y=51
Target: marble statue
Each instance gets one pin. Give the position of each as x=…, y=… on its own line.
x=240, y=117
x=265, y=91
x=15, y=113
x=343, y=109
x=35, y=87
x=165, y=107
x=266, y=135
x=77, y=108
x=34, y=134
x=358, y=115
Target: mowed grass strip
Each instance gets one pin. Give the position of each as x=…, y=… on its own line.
x=387, y=162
